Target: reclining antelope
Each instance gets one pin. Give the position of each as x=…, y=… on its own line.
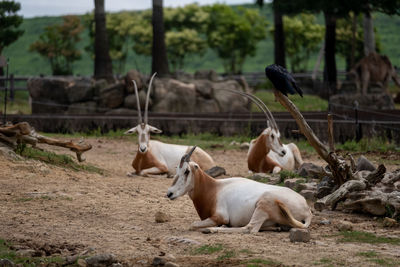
x=155, y=157
x=243, y=204
x=266, y=152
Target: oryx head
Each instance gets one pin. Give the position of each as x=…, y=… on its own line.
x=143, y=129
x=271, y=133
x=184, y=178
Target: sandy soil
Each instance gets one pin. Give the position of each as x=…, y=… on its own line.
x=61, y=211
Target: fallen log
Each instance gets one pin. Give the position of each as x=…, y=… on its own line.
x=23, y=133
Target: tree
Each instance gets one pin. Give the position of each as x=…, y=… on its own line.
x=57, y=44
x=9, y=21
x=234, y=35
x=159, y=61
x=302, y=37
x=102, y=60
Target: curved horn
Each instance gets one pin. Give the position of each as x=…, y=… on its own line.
x=261, y=105
x=137, y=102
x=147, y=98
x=186, y=157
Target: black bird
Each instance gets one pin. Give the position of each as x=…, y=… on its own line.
x=282, y=80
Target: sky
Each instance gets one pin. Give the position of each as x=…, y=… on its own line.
x=35, y=8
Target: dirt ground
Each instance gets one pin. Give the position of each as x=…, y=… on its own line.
x=70, y=212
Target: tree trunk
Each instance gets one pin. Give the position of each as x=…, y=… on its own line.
x=353, y=42
x=159, y=51
x=330, y=43
x=102, y=60
x=369, y=36
x=279, y=38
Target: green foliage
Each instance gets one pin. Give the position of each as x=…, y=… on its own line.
x=302, y=38
x=308, y=103
x=226, y=255
x=365, y=237
x=55, y=159
x=208, y=249
x=57, y=44
x=261, y=262
x=284, y=174
x=234, y=34
x=10, y=22
x=368, y=144
x=373, y=256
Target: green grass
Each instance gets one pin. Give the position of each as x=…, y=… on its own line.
x=20, y=105
x=207, y=249
x=7, y=253
x=308, y=103
x=261, y=262
x=59, y=160
x=368, y=144
x=373, y=256
x=365, y=237
x=227, y=254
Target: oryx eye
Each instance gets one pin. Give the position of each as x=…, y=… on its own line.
x=272, y=136
x=187, y=172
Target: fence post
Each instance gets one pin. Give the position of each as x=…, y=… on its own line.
x=11, y=87
x=358, y=125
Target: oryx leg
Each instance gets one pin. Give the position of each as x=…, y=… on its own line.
x=276, y=169
x=298, y=160
x=202, y=224
x=153, y=171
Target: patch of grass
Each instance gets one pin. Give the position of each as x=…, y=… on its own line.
x=324, y=261
x=368, y=144
x=24, y=199
x=258, y=178
x=20, y=105
x=246, y=251
x=208, y=249
x=55, y=159
x=227, y=255
x=7, y=253
x=308, y=103
x=373, y=256
x=365, y=237
x=261, y=262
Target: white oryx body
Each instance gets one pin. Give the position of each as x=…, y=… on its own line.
x=267, y=153
x=155, y=157
x=243, y=204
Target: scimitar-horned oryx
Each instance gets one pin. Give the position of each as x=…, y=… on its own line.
x=155, y=157
x=243, y=204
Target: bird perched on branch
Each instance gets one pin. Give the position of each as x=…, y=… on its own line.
x=282, y=80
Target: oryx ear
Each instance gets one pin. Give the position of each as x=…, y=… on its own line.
x=154, y=129
x=131, y=131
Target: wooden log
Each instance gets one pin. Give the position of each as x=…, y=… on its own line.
x=330, y=201
x=376, y=176
x=331, y=138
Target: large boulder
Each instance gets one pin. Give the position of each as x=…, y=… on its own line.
x=137, y=77
x=345, y=102
x=181, y=97
x=131, y=102
x=207, y=75
x=229, y=102
x=206, y=105
x=204, y=88
x=80, y=90
x=112, y=96
x=89, y=107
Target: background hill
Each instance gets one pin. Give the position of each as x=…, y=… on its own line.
x=23, y=62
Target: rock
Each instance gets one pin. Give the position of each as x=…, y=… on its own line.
x=230, y=102
x=325, y=222
x=80, y=90
x=216, y=171
x=344, y=226
x=131, y=102
x=293, y=183
x=389, y=222
x=244, y=145
x=122, y=111
x=181, y=97
x=310, y=170
x=9, y=153
x=89, y=107
x=260, y=177
x=182, y=240
x=397, y=185
x=71, y=259
x=206, y=75
x=49, y=88
x=308, y=194
x=6, y=263
x=133, y=75
x=206, y=105
x=101, y=259
x=81, y=263
x=116, y=264
x=306, y=186
x=204, y=88
x=161, y=217
x=325, y=187
x=171, y=264
x=363, y=164
x=299, y=235
x=26, y=253
x=157, y=261
x=112, y=96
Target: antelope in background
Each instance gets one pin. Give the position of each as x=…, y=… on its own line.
x=244, y=204
x=267, y=153
x=155, y=157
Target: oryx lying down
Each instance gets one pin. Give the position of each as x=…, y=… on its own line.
x=243, y=204
x=266, y=152
x=155, y=157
